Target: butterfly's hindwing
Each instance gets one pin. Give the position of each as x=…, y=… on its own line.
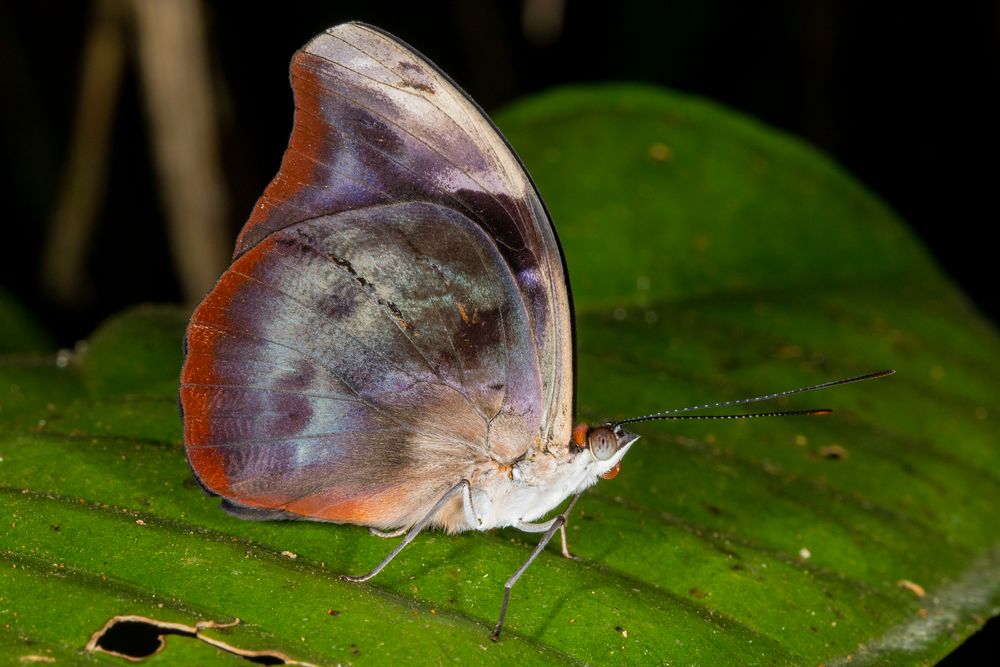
x=397, y=307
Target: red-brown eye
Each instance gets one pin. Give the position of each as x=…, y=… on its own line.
x=603, y=443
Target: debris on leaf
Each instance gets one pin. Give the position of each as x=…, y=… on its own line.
x=916, y=589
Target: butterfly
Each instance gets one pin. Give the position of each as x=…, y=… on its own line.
x=392, y=345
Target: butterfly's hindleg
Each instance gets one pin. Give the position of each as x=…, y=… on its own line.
x=470, y=517
x=461, y=487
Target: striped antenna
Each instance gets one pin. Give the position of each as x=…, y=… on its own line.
x=673, y=414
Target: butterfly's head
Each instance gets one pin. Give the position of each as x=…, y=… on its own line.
x=606, y=444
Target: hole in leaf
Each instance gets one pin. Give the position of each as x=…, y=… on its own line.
x=132, y=639
x=136, y=638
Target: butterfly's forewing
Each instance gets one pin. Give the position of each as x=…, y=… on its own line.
x=396, y=313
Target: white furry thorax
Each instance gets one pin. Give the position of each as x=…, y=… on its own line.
x=528, y=489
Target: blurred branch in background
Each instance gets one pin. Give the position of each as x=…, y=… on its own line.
x=903, y=97
x=173, y=59
x=542, y=21
x=174, y=64
x=83, y=182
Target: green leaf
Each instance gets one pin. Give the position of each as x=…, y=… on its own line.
x=711, y=258
x=20, y=332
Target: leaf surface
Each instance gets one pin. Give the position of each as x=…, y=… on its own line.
x=711, y=258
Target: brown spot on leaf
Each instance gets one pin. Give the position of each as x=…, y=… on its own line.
x=833, y=452
x=789, y=352
x=660, y=152
x=712, y=509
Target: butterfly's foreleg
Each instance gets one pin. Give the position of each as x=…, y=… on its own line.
x=550, y=528
x=387, y=533
x=461, y=487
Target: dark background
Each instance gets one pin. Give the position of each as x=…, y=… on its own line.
x=902, y=94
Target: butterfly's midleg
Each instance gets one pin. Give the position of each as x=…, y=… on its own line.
x=554, y=525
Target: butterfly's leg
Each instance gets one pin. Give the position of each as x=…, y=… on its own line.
x=552, y=527
x=417, y=527
x=387, y=533
x=467, y=507
x=565, y=545
x=471, y=517
x=545, y=525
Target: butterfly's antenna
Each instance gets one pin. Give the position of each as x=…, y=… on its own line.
x=673, y=414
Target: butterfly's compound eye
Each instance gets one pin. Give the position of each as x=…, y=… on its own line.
x=603, y=443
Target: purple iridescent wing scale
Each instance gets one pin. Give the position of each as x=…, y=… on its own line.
x=396, y=313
